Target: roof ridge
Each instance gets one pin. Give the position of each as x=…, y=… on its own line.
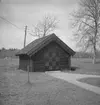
x=45, y=40
x=37, y=44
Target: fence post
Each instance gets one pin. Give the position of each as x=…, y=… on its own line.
x=28, y=73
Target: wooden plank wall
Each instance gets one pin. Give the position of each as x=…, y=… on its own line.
x=39, y=61
x=23, y=62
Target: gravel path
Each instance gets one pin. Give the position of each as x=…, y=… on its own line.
x=73, y=78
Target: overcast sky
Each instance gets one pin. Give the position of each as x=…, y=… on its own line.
x=29, y=12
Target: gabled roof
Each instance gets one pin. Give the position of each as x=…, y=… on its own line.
x=38, y=44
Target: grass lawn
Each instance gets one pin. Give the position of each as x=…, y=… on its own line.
x=43, y=89
x=91, y=81
x=9, y=62
x=85, y=66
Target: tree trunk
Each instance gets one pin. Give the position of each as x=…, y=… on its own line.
x=94, y=40
x=94, y=59
x=44, y=34
x=94, y=54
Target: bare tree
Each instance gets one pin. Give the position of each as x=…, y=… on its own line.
x=87, y=23
x=44, y=27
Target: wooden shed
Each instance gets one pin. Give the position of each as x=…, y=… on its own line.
x=46, y=54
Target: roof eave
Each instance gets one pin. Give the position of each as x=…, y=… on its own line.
x=21, y=54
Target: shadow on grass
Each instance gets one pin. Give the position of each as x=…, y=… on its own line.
x=74, y=68
x=97, y=62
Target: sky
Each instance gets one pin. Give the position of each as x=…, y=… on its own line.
x=29, y=12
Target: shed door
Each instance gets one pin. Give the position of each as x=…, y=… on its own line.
x=52, y=60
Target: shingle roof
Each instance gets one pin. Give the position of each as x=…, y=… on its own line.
x=38, y=44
